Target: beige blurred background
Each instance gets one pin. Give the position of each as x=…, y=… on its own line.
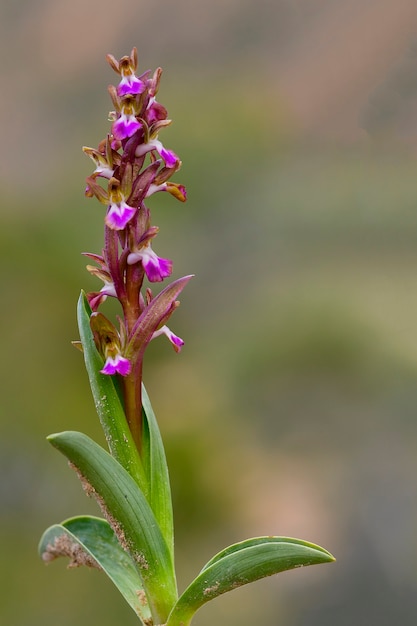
x=292, y=408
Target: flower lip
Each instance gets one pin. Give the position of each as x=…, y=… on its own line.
x=176, y=341
x=125, y=126
x=117, y=364
x=118, y=215
x=156, y=268
x=130, y=85
x=170, y=158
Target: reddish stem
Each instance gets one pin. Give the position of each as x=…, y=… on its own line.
x=132, y=387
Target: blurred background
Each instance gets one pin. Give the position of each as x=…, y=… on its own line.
x=292, y=408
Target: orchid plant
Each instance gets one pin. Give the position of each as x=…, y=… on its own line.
x=134, y=541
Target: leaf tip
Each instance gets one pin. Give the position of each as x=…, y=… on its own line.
x=51, y=438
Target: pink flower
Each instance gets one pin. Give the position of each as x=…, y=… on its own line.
x=170, y=158
x=130, y=85
x=176, y=190
x=176, y=341
x=156, y=268
x=116, y=364
x=119, y=214
x=125, y=126
x=96, y=298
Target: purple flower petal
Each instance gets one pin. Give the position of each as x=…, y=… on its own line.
x=176, y=341
x=118, y=215
x=125, y=126
x=156, y=268
x=169, y=157
x=130, y=85
x=117, y=365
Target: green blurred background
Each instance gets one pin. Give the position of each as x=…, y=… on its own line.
x=292, y=408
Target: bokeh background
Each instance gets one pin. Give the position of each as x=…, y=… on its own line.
x=292, y=408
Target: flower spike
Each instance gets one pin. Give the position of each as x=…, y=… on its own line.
x=136, y=165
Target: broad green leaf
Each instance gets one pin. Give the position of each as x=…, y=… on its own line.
x=107, y=402
x=157, y=472
x=244, y=563
x=129, y=514
x=257, y=541
x=90, y=540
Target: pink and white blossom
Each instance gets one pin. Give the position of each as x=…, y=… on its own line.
x=130, y=85
x=125, y=126
x=170, y=158
x=176, y=341
x=117, y=364
x=156, y=268
x=176, y=190
x=119, y=214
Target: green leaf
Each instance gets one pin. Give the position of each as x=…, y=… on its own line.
x=244, y=563
x=107, y=402
x=129, y=514
x=257, y=541
x=91, y=541
x=156, y=469
x=150, y=472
